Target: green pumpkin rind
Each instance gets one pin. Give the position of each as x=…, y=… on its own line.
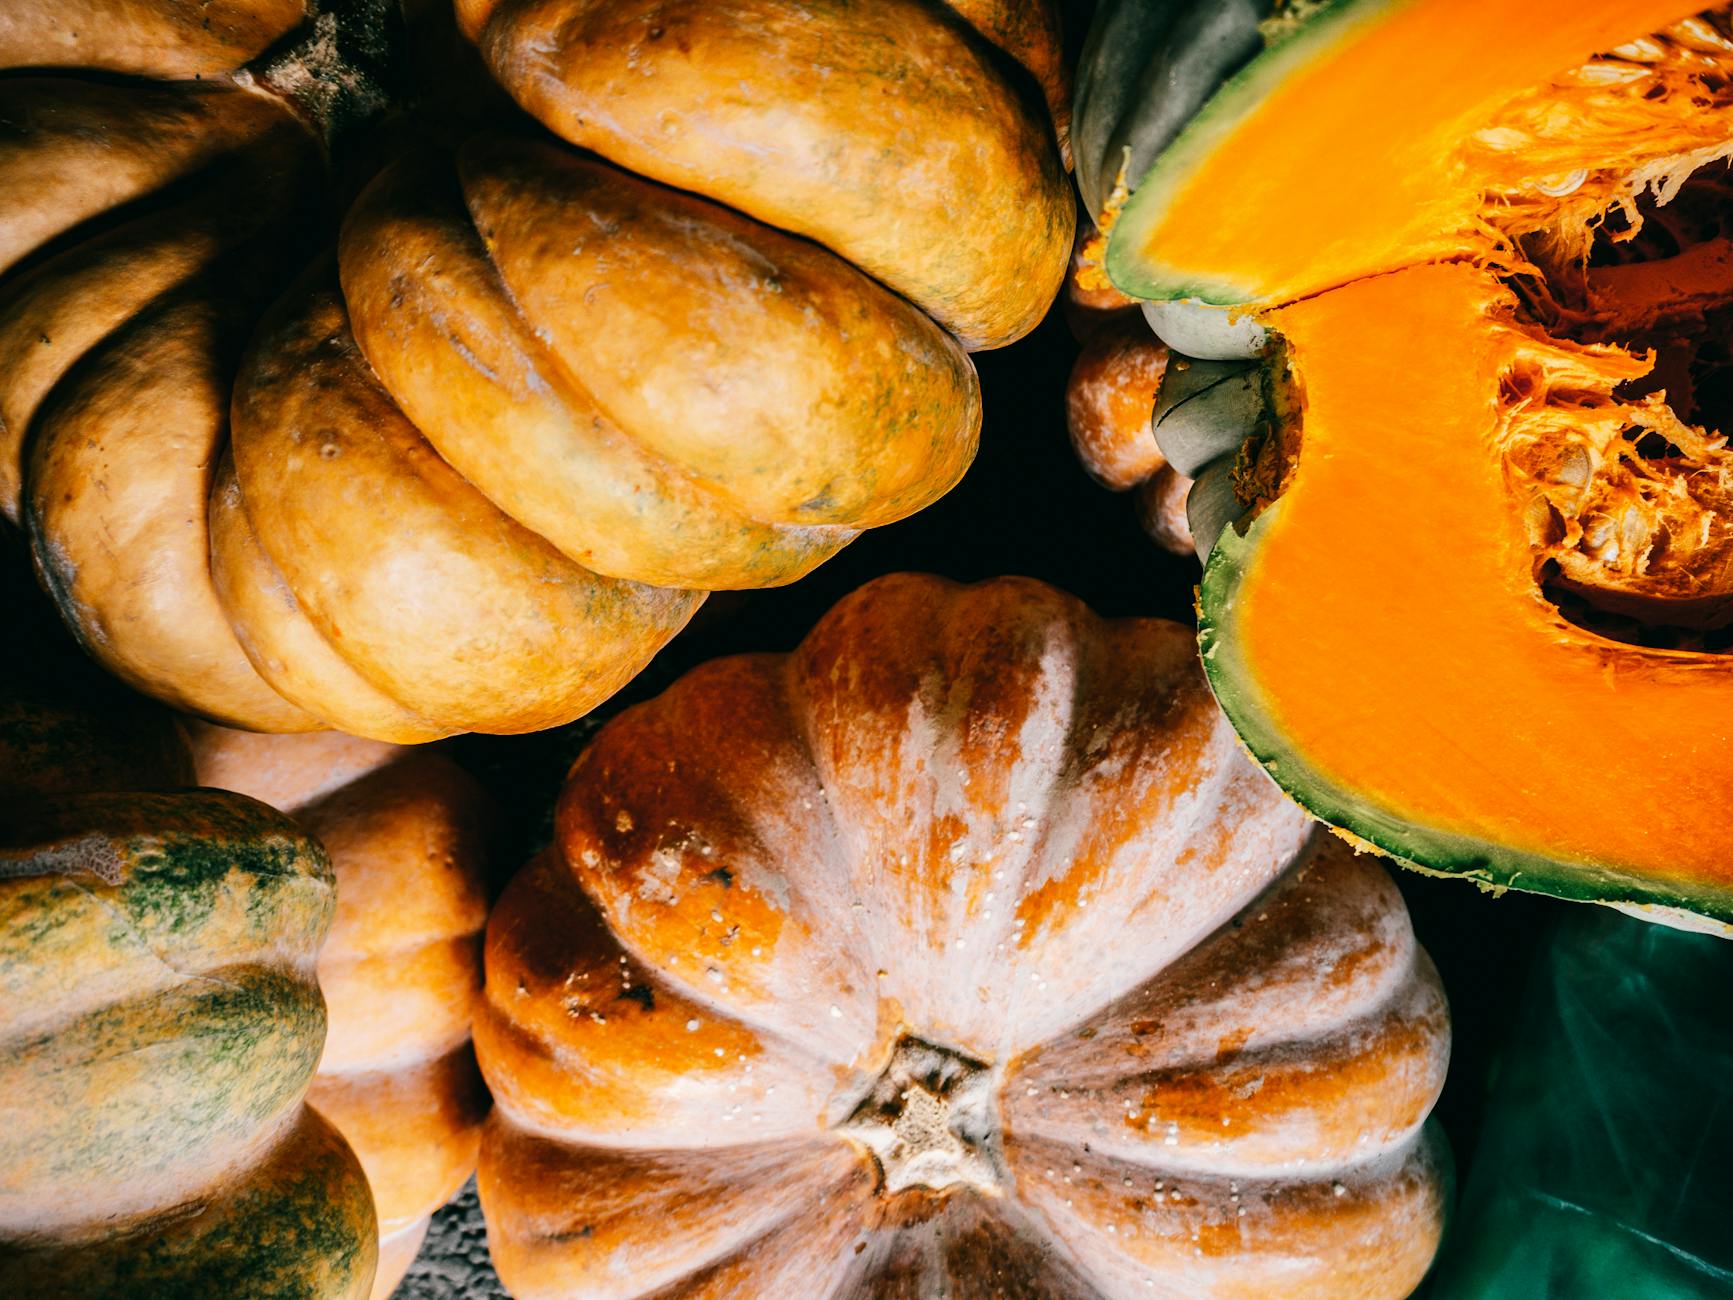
x=1311, y=34
x=1147, y=68
x=159, y=1022
x=300, y=1227
x=1428, y=849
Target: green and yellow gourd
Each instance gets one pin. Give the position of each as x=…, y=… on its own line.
x=159, y=1025
x=1458, y=307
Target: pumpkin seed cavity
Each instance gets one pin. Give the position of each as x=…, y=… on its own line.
x=1609, y=199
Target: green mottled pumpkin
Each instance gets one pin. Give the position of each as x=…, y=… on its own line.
x=159, y=1024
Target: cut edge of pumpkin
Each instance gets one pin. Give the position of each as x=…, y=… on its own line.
x=1429, y=850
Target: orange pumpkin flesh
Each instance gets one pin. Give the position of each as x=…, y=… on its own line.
x=961, y=949
x=1514, y=741
x=1349, y=149
x=401, y=967
x=1446, y=235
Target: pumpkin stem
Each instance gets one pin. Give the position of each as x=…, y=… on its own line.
x=930, y=1121
x=339, y=70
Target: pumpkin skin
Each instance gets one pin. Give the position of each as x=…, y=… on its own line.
x=150, y=225
x=1382, y=528
x=827, y=987
x=870, y=129
x=555, y=369
x=143, y=229
x=162, y=1021
x=401, y=969
x=1109, y=398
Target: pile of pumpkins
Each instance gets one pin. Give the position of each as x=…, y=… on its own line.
x=374, y=372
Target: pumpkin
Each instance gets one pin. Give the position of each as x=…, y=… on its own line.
x=959, y=952
x=1459, y=307
x=1108, y=403
x=485, y=467
x=160, y=1024
x=871, y=128
x=401, y=969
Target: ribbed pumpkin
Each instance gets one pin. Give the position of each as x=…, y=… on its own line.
x=401, y=969
x=148, y=224
x=159, y=1023
x=960, y=952
x=143, y=224
x=477, y=486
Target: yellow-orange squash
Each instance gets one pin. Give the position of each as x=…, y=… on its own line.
x=1109, y=399
x=486, y=465
x=401, y=970
x=159, y=1023
x=1474, y=606
x=959, y=952
x=143, y=223
x=889, y=131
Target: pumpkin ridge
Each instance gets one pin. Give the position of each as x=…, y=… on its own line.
x=460, y=535
x=532, y=48
x=20, y=313
x=649, y=972
x=563, y=371
x=1317, y=1040
x=288, y=961
x=895, y=403
x=80, y=442
x=572, y=433
x=591, y=1222
x=242, y=572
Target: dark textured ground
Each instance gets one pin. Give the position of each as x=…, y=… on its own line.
x=453, y=1259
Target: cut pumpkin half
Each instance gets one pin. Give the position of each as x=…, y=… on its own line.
x=1471, y=585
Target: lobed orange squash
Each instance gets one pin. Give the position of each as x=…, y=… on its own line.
x=960, y=951
x=483, y=472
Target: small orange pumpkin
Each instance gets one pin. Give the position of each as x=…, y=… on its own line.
x=401, y=969
x=961, y=951
x=1109, y=404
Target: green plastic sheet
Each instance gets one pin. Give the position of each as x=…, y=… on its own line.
x=1605, y=1168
